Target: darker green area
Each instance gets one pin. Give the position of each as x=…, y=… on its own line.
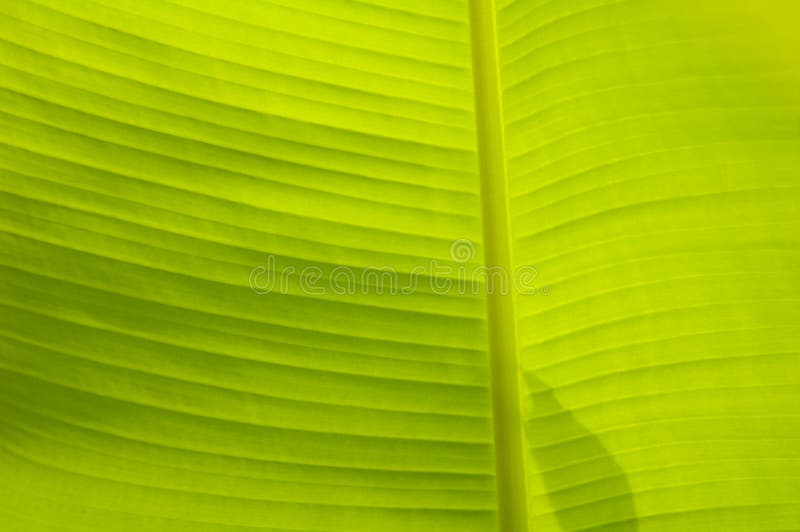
x=577, y=468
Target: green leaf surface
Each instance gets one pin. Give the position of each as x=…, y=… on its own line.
x=163, y=161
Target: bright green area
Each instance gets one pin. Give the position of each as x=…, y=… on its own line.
x=653, y=154
x=642, y=155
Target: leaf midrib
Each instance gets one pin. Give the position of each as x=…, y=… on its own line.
x=508, y=434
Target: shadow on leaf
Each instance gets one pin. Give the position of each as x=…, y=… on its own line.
x=586, y=486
